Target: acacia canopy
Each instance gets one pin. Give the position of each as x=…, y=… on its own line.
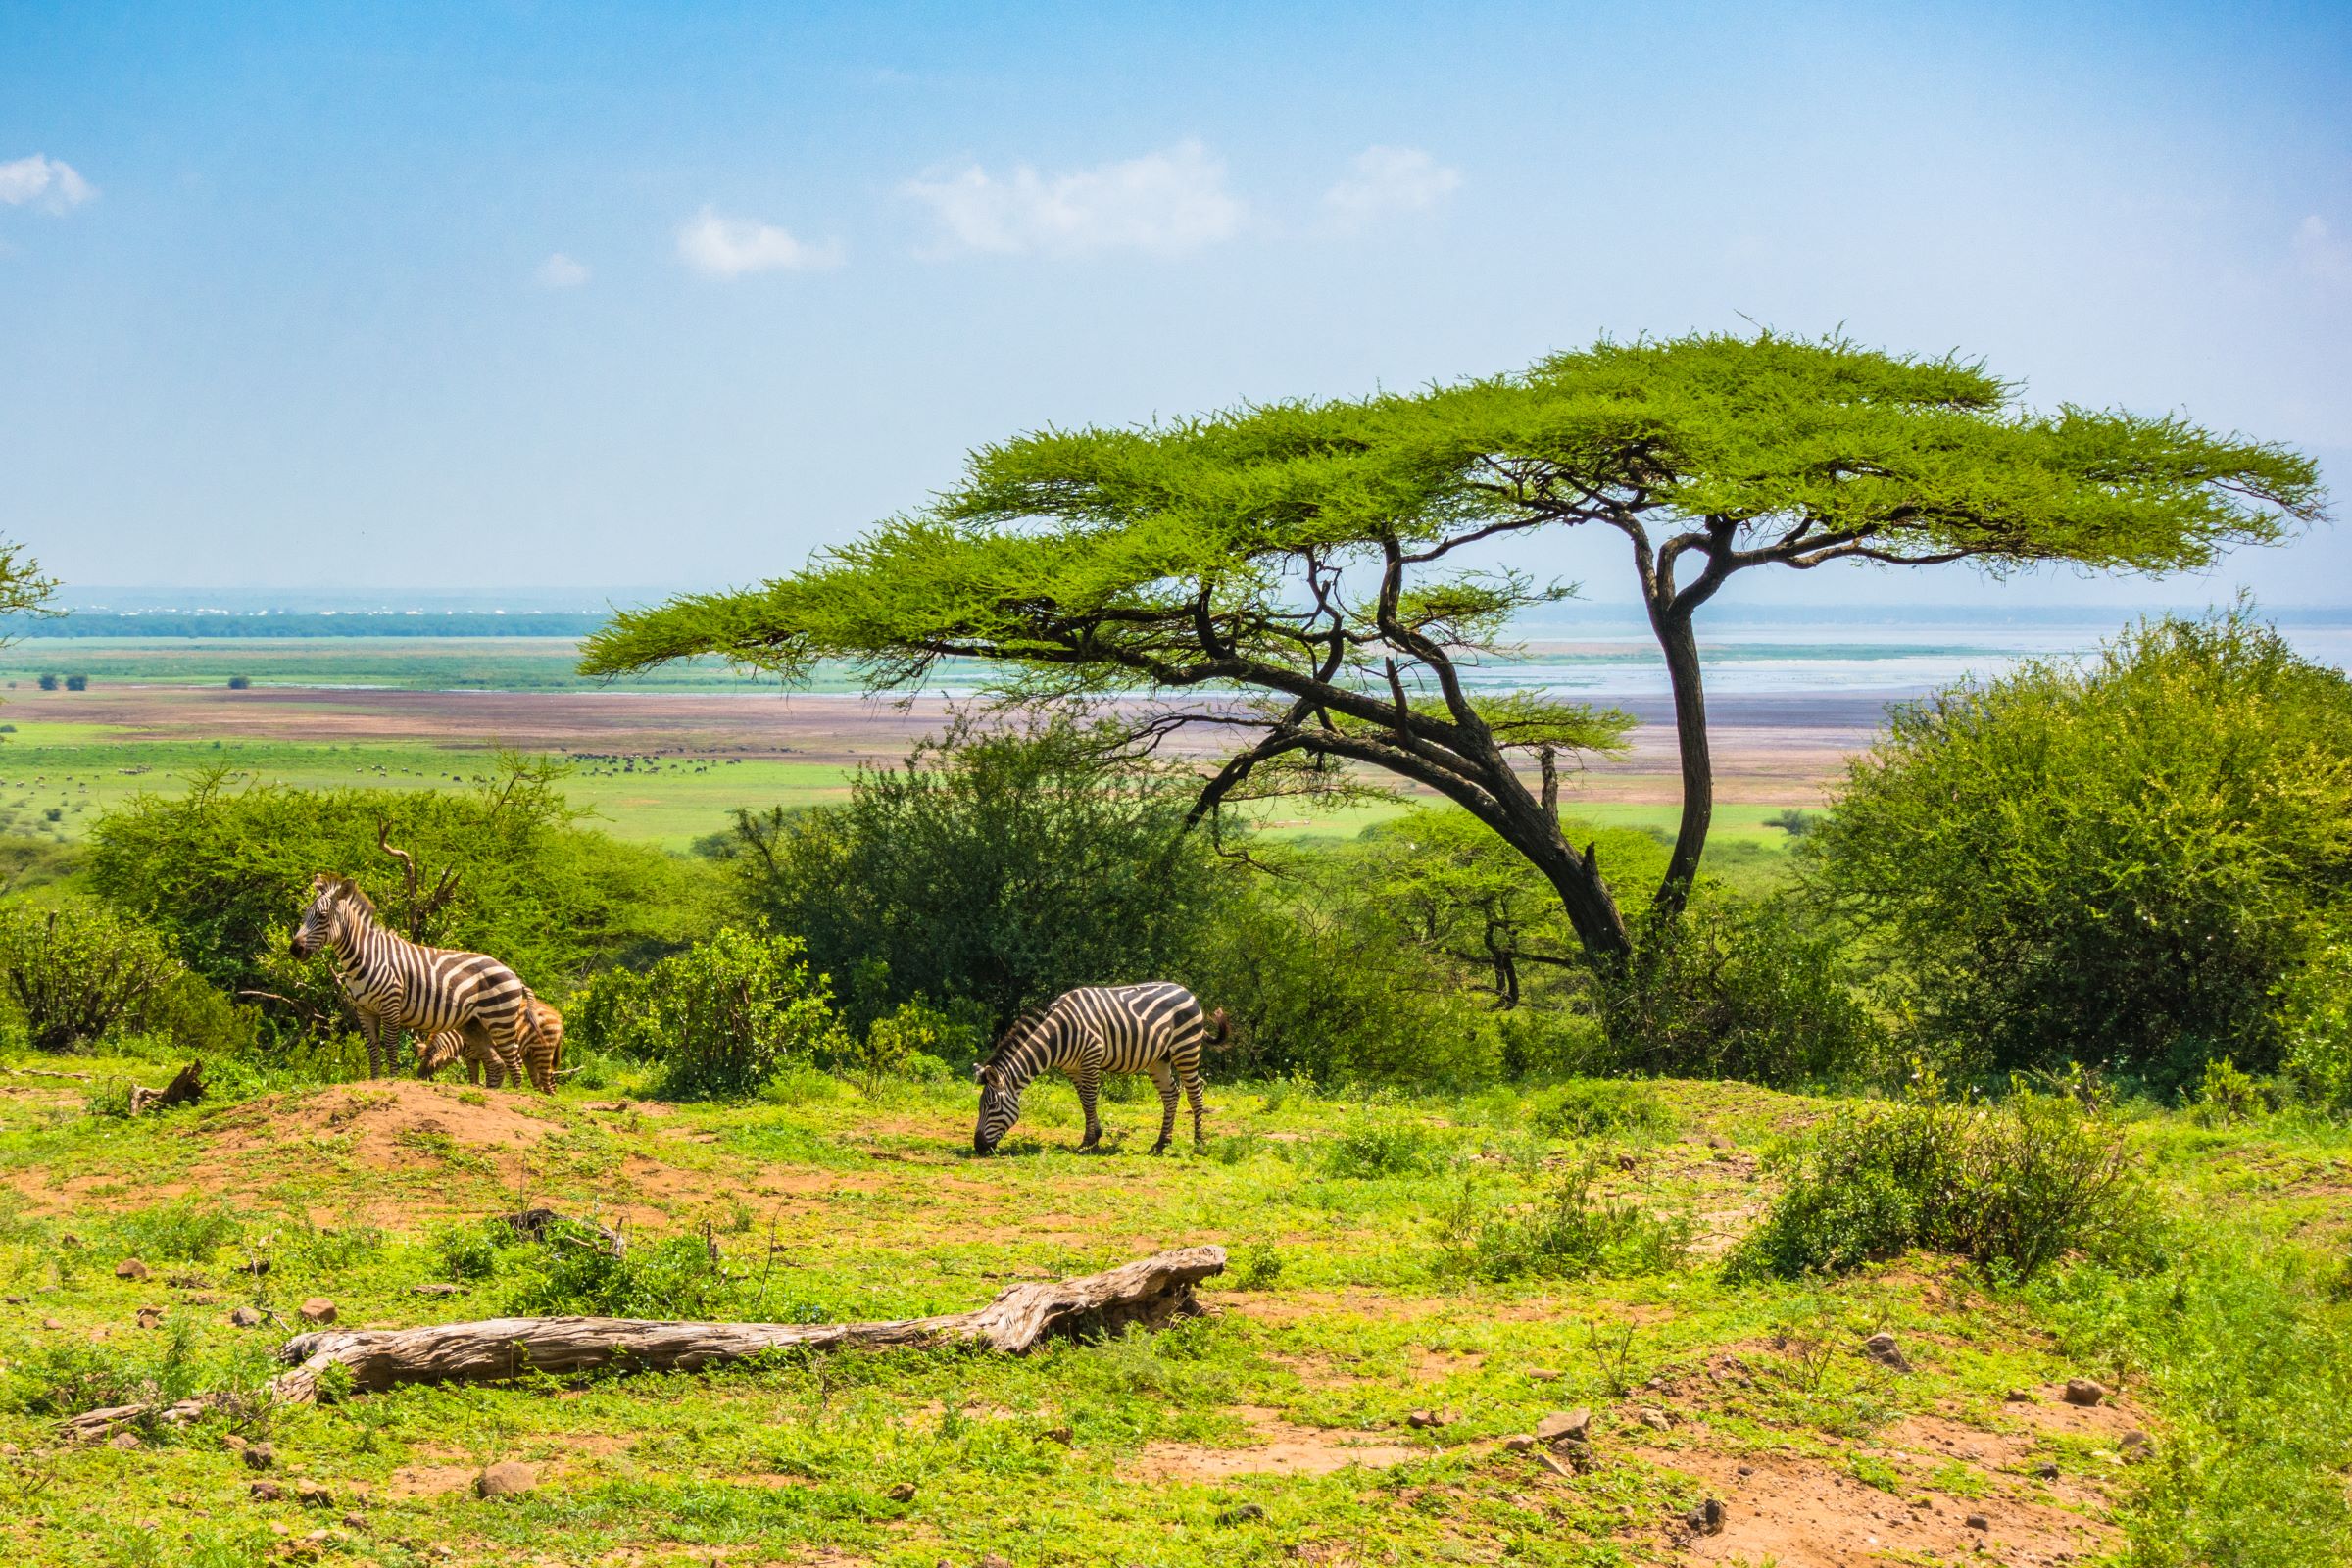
x=1306, y=552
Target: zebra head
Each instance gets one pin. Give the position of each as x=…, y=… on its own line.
x=1001, y=1078
x=336, y=903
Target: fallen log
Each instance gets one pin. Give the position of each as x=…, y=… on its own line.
x=1147, y=1293
x=186, y=1088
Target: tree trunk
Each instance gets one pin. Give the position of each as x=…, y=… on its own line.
x=1680, y=642
x=1147, y=1293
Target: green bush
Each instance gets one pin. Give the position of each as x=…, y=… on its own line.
x=1374, y=1147
x=2015, y=1185
x=2314, y=1013
x=1600, y=1107
x=2123, y=864
x=572, y=1271
x=722, y=1017
x=73, y=973
x=1569, y=1232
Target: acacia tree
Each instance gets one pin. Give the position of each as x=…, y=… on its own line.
x=1346, y=564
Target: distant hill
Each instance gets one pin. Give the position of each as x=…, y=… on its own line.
x=304, y=624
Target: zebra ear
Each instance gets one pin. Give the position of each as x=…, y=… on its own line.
x=982, y=1075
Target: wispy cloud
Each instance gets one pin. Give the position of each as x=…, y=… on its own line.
x=1165, y=203
x=48, y=183
x=560, y=272
x=2322, y=253
x=730, y=247
x=1383, y=182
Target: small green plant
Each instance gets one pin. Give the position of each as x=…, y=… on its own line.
x=573, y=1269
x=1380, y=1146
x=1599, y=1107
x=1257, y=1267
x=183, y=1232
x=1611, y=1348
x=1569, y=1232
x=2227, y=1097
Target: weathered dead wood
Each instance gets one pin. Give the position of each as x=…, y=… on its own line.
x=186, y=1088
x=43, y=1072
x=1149, y=1292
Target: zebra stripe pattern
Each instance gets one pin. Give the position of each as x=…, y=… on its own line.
x=395, y=984
x=1154, y=1028
x=541, y=1054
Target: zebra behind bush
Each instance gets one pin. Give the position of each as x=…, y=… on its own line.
x=1154, y=1028
x=394, y=984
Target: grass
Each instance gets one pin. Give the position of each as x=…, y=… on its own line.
x=1340, y=1318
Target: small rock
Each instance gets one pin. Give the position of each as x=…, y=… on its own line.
x=445, y=1550
x=508, y=1478
x=130, y=1269
x=1718, y=1141
x=51, y=1323
x=436, y=1289
x=1060, y=1435
x=354, y=1521
x=186, y=1282
x=1519, y=1443
x=311, y=1493
x=1543, y=1374
x=15, y=1300
x=266, y=1491
x=234, y=1442
x=1656, y=1419
x=903, y=1491
x=1707, y=1518
x=2019, y=1396
x=1426, y=1420
x=244, y=1317
x=126, y=1442
x=1565, y=1428
x=1976, y=1521
x=1627, y=1162
x=151, y=1317
x=260, y=1456
x=1241, y=1515
x=2083, y=1391
x=1747, y=1470
x=2048, y=1472
x=2135, y=1446
x=1882, y=1349
x=992, y=1560
x=318, y=1309
x=1553, y=1466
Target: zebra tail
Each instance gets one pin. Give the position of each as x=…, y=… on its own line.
x=1222, y=1027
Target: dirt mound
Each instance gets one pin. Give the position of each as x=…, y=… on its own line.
x=387, y=1124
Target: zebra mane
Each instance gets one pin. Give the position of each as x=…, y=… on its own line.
x=348, y=890
x=1018, y=1032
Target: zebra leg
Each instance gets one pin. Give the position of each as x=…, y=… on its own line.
x=371, y=1029
x=1193, y=1088
x=1166, y=1082
x=1089, y=1079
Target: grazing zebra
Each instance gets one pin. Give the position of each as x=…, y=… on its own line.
x=540, y=1056
x=1154, y=1028
x=394, y=984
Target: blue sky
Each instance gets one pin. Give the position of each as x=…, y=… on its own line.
x=533, y=294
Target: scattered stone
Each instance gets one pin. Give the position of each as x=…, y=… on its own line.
x=130, y=1269
x=51, y=1323
x=260, y=1456
x=1656, y=1419
x=266, y=1491
x=354, y=1521
x=1627, y=1162
x=1426, y=1420
x=2135, y=1446
x=1718, y=1141
x=992, y=1560
x=437, y=1290
x=15, y=1300
x=2019, y=1396
x=314, y=1494
x=151, y=1317
x=254, y=1266
x=1707, y=1518
x=126, y=1442
x=1976, y=1521
x=2083, y=1391
x=1242, y=1515
x=187, y=1282
x=2047, y=1471
x=1553, y=1466
x=1519, y=1443
x=903, y=1491
x=318, y=1309
x=508, y=1478
x=1882, y=1349
x=244, y=1317
x=1746, y=1470
x=234, y=1442
x=1543, y=1374
x=1565, y=1429
x=1062, y=1434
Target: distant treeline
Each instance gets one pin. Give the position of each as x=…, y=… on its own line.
x=346, y=623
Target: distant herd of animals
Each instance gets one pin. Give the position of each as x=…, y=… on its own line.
x=469, y=1008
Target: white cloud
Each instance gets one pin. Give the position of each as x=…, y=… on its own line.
x=1165, y=203
x=1385, y=180
x=729, y=247
x=560, y=272
x=2321, y=254
x=45, y=182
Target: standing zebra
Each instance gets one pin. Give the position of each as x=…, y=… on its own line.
x=1154, y=1028
x=394, y=984
x=452, y=1045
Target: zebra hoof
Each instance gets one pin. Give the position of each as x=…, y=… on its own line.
x=1160, y=1147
